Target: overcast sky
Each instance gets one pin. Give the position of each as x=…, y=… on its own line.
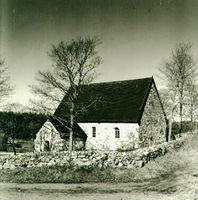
x=137, y=35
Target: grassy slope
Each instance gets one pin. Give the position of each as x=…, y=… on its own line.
x=162, y=174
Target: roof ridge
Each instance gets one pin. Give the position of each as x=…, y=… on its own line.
x=150, y=77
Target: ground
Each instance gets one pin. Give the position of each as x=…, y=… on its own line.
x=182, y=188
x=181, y=184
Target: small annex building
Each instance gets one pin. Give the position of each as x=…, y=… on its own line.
x=54, y=136
x=117, y=115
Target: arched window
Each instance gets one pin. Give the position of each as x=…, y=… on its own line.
x=117, y=132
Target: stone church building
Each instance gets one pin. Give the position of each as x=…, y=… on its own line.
x=116, y=115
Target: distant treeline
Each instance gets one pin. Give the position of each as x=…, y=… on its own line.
x=187, y=126
x=21, y=125
x=26, y=125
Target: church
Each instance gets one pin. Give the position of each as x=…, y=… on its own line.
x=125, y=115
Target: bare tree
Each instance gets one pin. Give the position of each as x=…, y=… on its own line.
x=74, y=65
x=5, y=88
x=15, y=107
x=191, y=100
x=170, y=103
x=177, y=71
x=10, y=132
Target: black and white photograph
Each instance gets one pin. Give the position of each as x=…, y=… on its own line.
x=98, y=99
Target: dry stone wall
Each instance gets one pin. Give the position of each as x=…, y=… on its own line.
x=127, y=159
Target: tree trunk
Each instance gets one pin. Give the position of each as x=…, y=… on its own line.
x=13, y=139
x=181, y=114
x=71, y=127
x=14, y=149
x=192, y=117
x=169, y=129
x=13, y=145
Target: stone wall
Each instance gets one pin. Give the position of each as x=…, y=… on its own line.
x=153, y=123
x=127, y=159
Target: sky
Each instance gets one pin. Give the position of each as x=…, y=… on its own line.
x=137, y=35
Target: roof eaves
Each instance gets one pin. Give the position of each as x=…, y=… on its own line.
x=145, y=100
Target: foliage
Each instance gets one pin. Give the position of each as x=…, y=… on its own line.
x=187, y=126
x=130, y=144
x=22, y=146
x=3, y=142
x=19, y=126
x=23, y=125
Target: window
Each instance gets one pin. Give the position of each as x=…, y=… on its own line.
x=117, y=132
x=94, y=131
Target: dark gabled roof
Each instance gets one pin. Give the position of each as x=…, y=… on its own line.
x=118, y=101
x=64, y=131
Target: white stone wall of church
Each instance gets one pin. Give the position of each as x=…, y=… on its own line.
x=105, y=135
